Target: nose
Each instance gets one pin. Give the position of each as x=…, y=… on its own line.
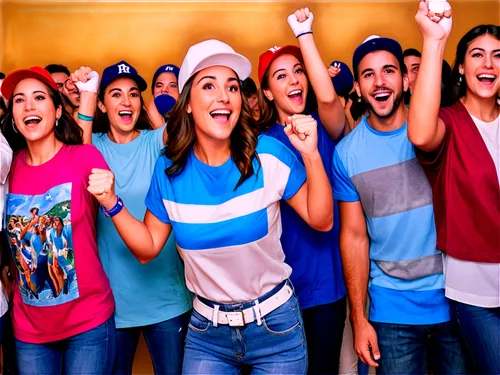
x=126, y=101
x=488, y=61
x=223, y=96
x=164, y=90
x=378, y=80
x=30, y=104
x=293, y=79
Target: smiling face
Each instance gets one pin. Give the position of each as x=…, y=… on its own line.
x=122, y=104
x=381, y=83
x=215, y=103
x=166, y=83
x=481, y=67
x=287, y=86
x=33, y=110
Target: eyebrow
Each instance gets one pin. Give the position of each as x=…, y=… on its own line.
x=34, y=92
x=482, y=50
x=299, y=64
x=230, y=79
x=416, y=64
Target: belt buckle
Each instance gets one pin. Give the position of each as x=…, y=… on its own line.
x=235, y=318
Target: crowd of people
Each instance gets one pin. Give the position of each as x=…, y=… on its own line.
x=321, y=222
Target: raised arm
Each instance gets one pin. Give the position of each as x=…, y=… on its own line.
x=87, y=81
x=425, y=129
x=354, y=246
x=330, y=109
x=144, y=239
x=314, y=200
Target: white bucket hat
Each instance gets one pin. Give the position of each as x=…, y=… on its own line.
x=212, y=53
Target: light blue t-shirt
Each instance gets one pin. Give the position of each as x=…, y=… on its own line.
x=228, y=237
x=144, y=293
x=406, y=271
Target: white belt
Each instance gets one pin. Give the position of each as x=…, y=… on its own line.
x=240, y=318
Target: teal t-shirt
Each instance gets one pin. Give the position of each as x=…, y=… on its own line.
x=144, y=293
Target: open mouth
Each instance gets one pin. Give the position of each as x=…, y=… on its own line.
x=296, y=96
x=125, y=115
x=32, y=120
x=487, y=79
x=382, y=97
x=221, y=115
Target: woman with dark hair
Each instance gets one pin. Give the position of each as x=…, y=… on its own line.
x=150, y=298
x=49, y=170
x=294, y=81
x=164, y=85
x=459, y=146
x=218, y=187
x=252, y=95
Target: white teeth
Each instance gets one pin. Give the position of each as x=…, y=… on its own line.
x=29, y=118
x=295, y=92
x=125, y=113
x=220, y=112
x=488, y=76
x=381, y=95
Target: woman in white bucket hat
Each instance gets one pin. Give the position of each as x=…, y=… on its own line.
x=218, y=186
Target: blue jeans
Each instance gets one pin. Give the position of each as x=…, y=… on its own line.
x=90, y=352
x=277, y=346
x=419, y=349
x=480, y=329
x=165, y=342
x=324, y=327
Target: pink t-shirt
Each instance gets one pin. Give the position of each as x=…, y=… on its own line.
x=62, y=288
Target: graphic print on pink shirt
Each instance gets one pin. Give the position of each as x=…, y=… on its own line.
x=39, y=227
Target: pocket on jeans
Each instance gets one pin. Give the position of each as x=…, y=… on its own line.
x=284, y=320
x=198, y=322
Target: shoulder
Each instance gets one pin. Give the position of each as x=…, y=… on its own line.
x=354, y=137
x=455, y=112
x=270, y=145
x=98, y=139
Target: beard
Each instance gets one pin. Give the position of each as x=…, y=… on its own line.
x=395, y=105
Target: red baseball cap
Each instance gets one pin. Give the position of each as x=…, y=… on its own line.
x=272, y=54
x=17, y=76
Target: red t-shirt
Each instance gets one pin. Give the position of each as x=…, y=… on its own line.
x=62, y=288
x=466, y=190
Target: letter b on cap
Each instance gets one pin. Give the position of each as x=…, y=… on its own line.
x=122, y=68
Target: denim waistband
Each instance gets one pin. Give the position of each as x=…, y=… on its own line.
x=238, y=306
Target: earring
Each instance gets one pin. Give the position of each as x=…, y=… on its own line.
x=359, y=99
x=57, y=122
x=14, y=126
x=460, y=79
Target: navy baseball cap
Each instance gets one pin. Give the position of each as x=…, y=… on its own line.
x=169, y=68
x=119, y=70
x=164, y=103
x=2, y=76
x=375, y=43
x=344, y=81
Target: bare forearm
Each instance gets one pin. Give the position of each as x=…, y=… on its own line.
x=135, y=235
x=356, y=264
x=88, y=103
x=319, y=193
x=425, y=100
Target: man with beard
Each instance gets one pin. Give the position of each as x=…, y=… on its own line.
x=71, y=95
x=387, y=231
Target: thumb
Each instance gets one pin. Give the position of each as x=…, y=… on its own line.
x=375, y=349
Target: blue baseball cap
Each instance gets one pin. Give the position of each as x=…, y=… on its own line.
x=375, y=43
x=169, y=68
x=344, y=81
x=2, y=76
x=120, y=70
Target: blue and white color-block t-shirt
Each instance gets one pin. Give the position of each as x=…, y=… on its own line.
x=229, y=238
x=406, y=271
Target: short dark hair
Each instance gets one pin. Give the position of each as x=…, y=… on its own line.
x=56, y=68
x=411, y=52
x=249, y=87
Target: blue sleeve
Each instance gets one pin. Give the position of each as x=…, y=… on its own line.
x=295, y=174
x=155, y=139
x=343, y=189
x=158, y=192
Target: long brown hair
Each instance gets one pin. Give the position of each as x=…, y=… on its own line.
x=182, y=137
x=67, y=130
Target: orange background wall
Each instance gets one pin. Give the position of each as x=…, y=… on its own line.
x=149, y=34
